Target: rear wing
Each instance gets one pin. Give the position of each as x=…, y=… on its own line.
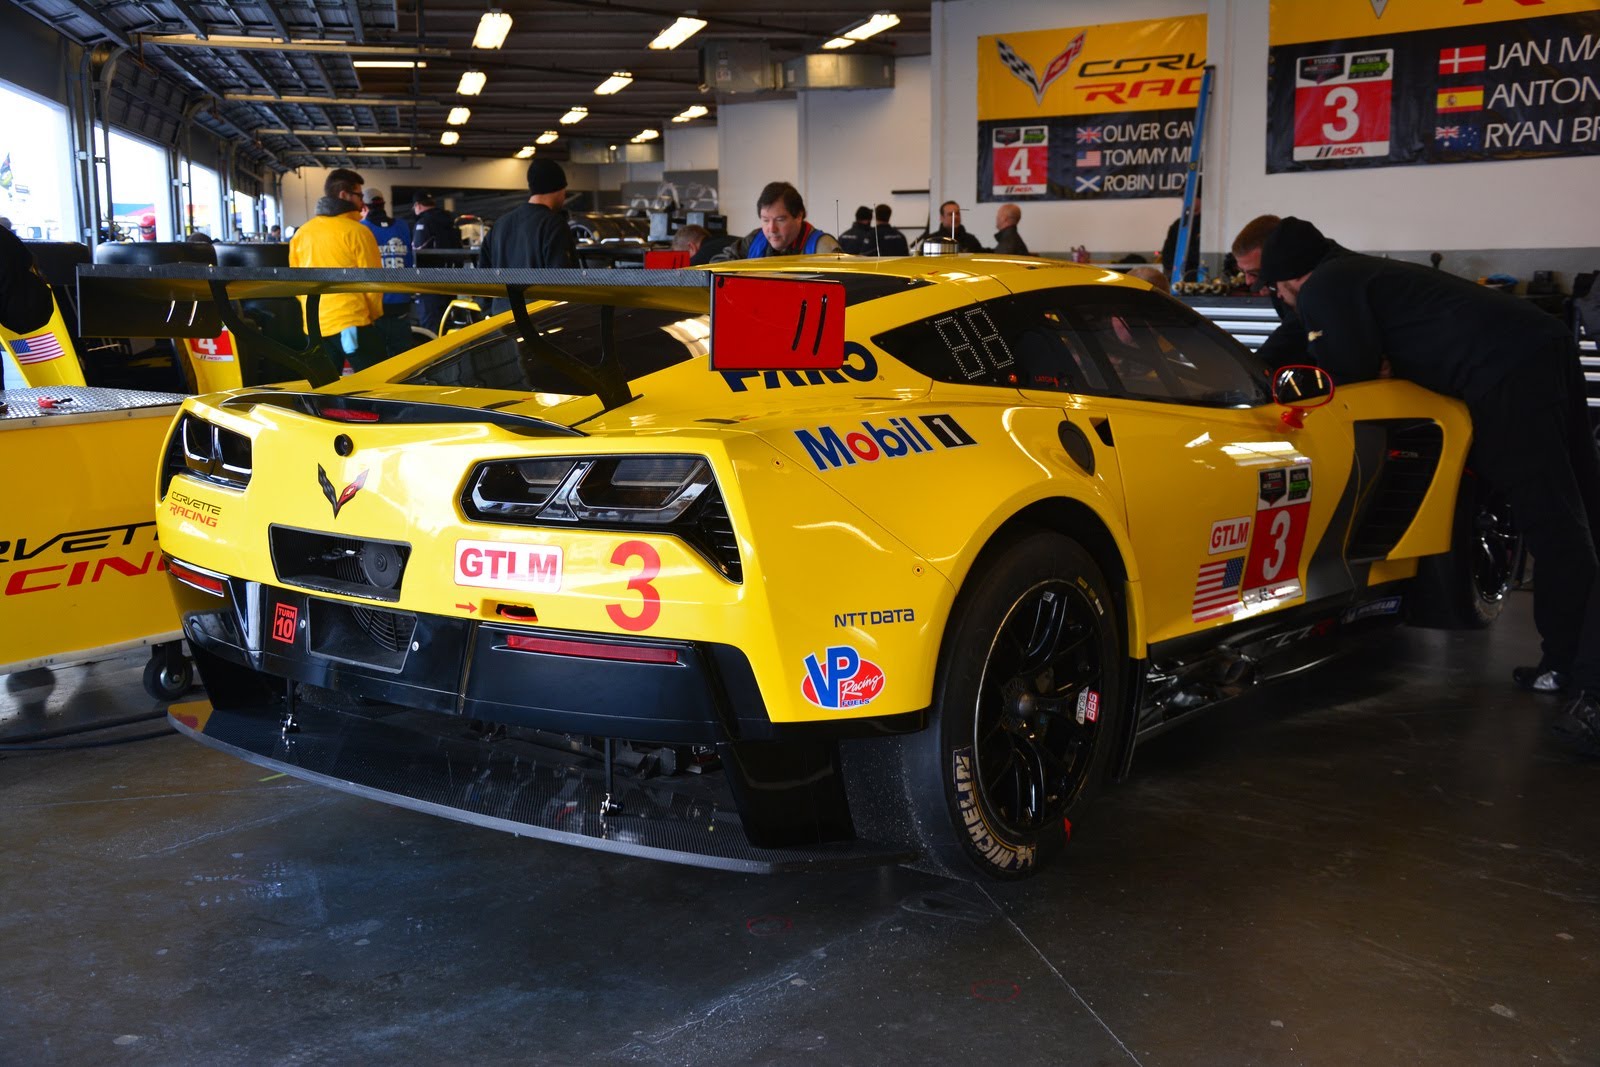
x=772, y=321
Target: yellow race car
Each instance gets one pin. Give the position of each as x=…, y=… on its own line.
x=605, y=571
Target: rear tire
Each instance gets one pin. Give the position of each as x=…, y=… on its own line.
x=1026, y=711
x=1465, y=588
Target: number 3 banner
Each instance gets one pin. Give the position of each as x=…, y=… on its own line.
x=1342, y=105
x=1357, y=83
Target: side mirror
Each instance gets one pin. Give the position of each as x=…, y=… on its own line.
x=1298, y=389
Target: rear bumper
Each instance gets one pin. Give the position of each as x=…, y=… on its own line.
x=440, y=767
x=675, y=691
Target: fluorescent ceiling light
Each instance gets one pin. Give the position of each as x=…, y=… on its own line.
x=577, y=114
x=492, y=30
x=883, y=20
x=618, y=81
x=392, y=64
x=379, y=148
x=449, y=137
x=472, y=82
x=690, y=113
x=678, y=32
x=458, y=116
x=527, y=151
x=644, y=135
x=546, y=137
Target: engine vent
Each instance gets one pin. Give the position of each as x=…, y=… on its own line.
x=1407, y=463
x=710, y=532
x=331, y=564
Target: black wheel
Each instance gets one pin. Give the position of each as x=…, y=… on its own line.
x=1465, y=588
x=1027, y=703
x=168, y=675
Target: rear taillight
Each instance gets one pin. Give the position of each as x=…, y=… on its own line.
x=204, y=450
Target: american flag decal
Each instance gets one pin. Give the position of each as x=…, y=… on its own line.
x=1216, y=589
x=1025, y=73
x=40, y=348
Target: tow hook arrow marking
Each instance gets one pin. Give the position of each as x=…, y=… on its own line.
x=469, y=608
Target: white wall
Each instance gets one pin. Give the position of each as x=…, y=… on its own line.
x=690, y=147
x=859, y=144
x=1050, y=227
x=757, y=143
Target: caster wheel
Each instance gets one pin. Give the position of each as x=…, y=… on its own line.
x=168, y=675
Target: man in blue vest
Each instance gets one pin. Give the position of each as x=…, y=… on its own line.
x=784, y=230
x=394, y=248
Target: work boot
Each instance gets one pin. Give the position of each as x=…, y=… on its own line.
x=1578, y=727
x=1540, y=679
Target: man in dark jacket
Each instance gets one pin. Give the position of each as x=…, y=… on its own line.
x=950, y=226
x=431, y=227
x=534, y=234
x=886, y=239
x=25, y=302
x=857, y=240
x=1517, y=369
x=1007, y=241
x=1287, y=344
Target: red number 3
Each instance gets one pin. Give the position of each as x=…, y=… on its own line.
x=650, y=598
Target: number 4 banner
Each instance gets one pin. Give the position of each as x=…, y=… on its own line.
x=1021, y=160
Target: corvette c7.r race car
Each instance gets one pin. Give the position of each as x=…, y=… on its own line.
x=558, y=574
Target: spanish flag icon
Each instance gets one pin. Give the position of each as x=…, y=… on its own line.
x=1461, y=98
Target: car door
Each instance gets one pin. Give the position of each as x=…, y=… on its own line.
x=1232, y=513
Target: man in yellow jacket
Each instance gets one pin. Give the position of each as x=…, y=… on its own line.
x=336, y=238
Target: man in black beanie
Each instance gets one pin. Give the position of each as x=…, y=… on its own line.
x=1517, y=370
x=534, y=234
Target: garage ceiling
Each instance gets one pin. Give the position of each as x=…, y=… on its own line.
x=305, y=104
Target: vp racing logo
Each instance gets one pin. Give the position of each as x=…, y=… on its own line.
x=841, y=679
x=343, y=496
x=1024, y=72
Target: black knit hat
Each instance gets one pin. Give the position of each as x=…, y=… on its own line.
x=1291, y=251
x=546, y=176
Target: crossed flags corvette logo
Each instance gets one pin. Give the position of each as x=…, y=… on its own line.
x=1032, y=79
x=343, y=496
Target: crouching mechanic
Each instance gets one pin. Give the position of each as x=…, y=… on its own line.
x=1517, y=370
x=784, y=230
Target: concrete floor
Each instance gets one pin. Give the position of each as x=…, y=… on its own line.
x=1377, y=862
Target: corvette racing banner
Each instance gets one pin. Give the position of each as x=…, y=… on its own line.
x=1400, y=82
x=1090, y=112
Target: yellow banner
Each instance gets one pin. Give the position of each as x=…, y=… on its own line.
x=1086, y=70
x=1297, y=21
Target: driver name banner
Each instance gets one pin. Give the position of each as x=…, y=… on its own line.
x=1089, y=112
x=1405, y=84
